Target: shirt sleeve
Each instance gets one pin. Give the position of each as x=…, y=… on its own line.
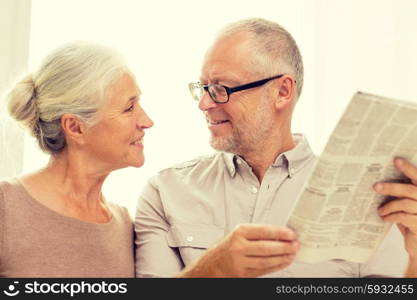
x=390, y=260
x=154, y=257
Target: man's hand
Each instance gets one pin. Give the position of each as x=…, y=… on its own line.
x=248, y=251
x=403, y=210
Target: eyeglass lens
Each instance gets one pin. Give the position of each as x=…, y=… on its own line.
x=218, y=92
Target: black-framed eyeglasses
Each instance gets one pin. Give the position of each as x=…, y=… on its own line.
x=220, y=93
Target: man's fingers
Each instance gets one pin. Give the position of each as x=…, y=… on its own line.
x=265, y=232
x=408, y=220
x=407, y=168
x=401, y=190
x=401, y=205
x=271, y=248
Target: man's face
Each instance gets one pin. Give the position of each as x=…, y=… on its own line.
x=243, y=124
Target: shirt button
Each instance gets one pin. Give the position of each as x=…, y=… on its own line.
x=254, y=190
x=189, y=238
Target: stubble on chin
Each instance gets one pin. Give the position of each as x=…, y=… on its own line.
x=243, y=140
x=232, y=144
x=225, y=144
x=249, y=136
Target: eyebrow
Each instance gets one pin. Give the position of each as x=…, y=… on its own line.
x=227, y=80
x=133, y=98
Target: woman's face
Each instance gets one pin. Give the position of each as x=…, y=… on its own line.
x=117, y=139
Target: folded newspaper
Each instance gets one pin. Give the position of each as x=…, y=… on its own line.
x=336, y=216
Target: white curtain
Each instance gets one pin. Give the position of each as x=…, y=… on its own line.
x=14, y=51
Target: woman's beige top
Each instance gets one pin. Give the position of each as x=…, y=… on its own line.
x=36, y=241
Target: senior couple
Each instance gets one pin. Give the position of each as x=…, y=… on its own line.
x=215, y=216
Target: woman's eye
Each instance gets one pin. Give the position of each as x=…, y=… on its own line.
x=130, y=108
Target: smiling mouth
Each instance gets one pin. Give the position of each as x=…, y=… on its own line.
x=138, y=142
x=217, y=122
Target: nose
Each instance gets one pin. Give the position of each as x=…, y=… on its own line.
x=143, y=120
x=206, y=102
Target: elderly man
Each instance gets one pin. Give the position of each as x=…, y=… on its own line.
x=224, y=214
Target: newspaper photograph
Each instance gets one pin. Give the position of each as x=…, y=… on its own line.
x=336, y=215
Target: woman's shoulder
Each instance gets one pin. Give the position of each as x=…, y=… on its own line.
x=9, y=190
x=12, y=195
x=119, y=211
x=9, y=187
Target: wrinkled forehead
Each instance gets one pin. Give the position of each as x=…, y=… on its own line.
x=228, y=56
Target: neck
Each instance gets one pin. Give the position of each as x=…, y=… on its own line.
x=75, y=180
x=265, y=155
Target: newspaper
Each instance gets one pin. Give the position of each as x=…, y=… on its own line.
x=336, y=216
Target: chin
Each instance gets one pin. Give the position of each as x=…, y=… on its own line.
x=139, y=163
x=225, y=144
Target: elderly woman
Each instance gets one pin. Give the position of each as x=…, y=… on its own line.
x=82, y=106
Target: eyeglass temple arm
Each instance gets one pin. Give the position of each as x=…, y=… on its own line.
x=251, y=85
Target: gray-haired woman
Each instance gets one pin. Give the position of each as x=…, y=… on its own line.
x=82, y=105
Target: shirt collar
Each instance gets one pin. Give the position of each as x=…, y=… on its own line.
x=292, y=160
x=230, y=161
x=295, y=159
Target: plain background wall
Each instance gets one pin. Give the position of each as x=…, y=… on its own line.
x=347, y=45
x=14, y=55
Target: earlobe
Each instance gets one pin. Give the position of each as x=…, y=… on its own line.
x=281, y=103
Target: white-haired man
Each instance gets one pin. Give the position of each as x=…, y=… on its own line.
x=224, y=215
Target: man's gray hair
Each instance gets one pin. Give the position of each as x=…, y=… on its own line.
x=73, y=79
x=275, y=50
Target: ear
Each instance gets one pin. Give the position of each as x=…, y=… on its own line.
x=73, y=128
x=286, y=92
